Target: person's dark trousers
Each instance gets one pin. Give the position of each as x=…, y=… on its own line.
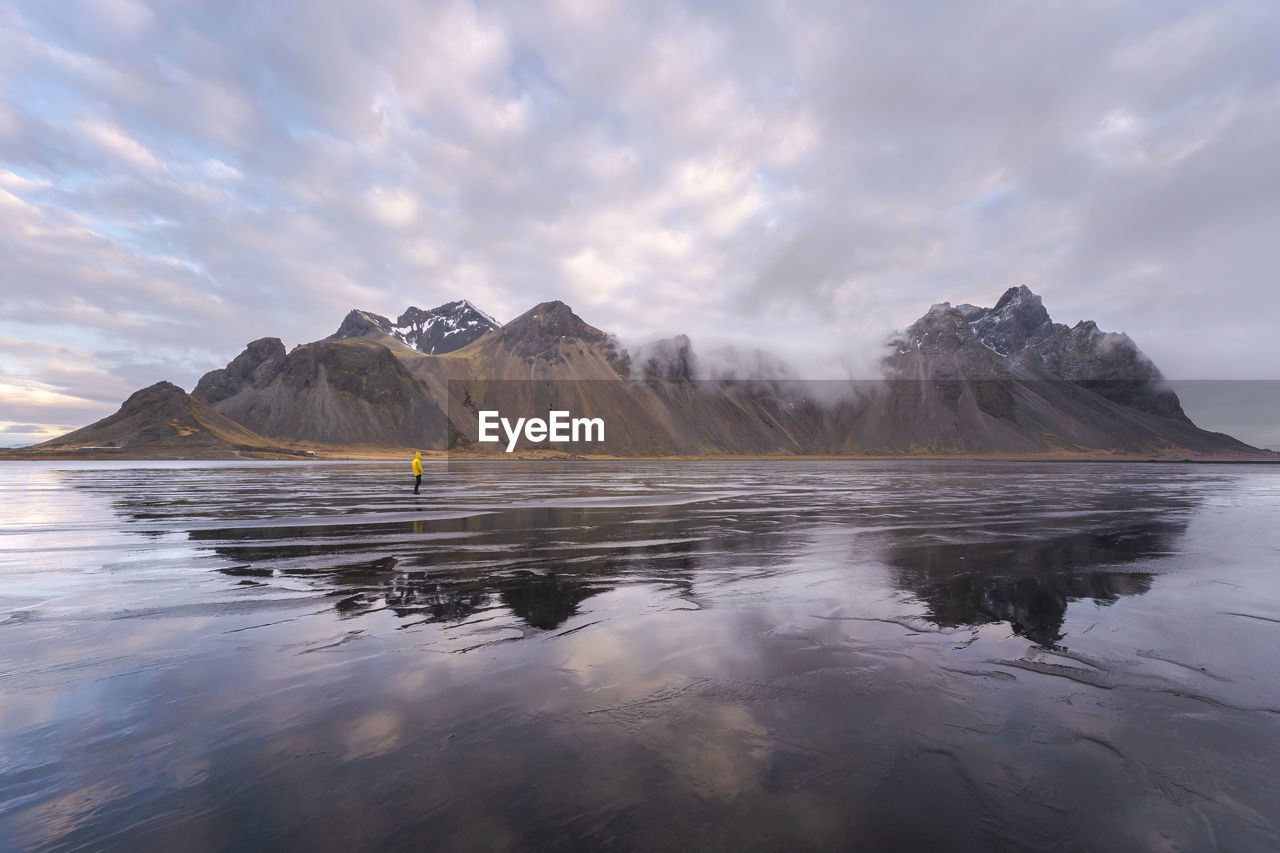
x=417, y=481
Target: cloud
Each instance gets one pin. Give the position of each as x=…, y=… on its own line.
x=23, y=428
x=117, y=143
x=22, y=435
x=173, y=184
x=397, y=208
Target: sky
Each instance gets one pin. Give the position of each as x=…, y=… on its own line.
x=180, y=178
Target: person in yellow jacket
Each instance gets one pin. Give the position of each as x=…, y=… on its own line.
x=417, y=471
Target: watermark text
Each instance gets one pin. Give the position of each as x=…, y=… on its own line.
x=558, y=426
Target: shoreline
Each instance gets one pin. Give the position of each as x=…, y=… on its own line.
x=403, y=454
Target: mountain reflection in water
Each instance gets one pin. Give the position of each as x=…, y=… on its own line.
x=541, y=563
x=1024, y=569
x=648, y=655
x=1028, y=582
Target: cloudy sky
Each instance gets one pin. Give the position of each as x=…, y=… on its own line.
x=178, y=178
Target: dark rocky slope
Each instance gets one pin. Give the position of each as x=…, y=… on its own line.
x=338, y=392
x=162, y=421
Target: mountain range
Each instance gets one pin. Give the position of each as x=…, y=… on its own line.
x=962, y=381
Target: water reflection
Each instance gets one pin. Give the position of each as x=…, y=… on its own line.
x=969, y=563
x=650, y=657
x=1028, y=579
x=539, y=564
x=1005, y=585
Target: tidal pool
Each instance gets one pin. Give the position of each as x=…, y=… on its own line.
x=641, y=655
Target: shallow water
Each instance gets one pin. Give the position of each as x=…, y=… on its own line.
x=723, y=655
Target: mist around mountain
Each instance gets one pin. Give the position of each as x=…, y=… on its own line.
x=962, y=381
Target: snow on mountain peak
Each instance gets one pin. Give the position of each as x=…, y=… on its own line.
x=439, y=330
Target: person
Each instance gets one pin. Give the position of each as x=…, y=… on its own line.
x=417, y=471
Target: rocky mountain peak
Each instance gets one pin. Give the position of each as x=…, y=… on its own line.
x=548, y=321
x=433, y=331
x=359, y=323
x=461, y=310
x=443, y=329
x=1018, y=318
x=160, y=396
x=1020, y=297
x=1018, y=331
x=263, y=349
x=943, y=329
x=254, y=367
x=540, y=331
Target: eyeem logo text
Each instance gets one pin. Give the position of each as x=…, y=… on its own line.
x=558, y=426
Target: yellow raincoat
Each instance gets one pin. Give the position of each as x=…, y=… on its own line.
x=417, y=464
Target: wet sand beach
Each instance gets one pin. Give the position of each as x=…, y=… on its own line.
x=639, y=655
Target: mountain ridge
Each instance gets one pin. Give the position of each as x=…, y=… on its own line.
x=962, y=380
